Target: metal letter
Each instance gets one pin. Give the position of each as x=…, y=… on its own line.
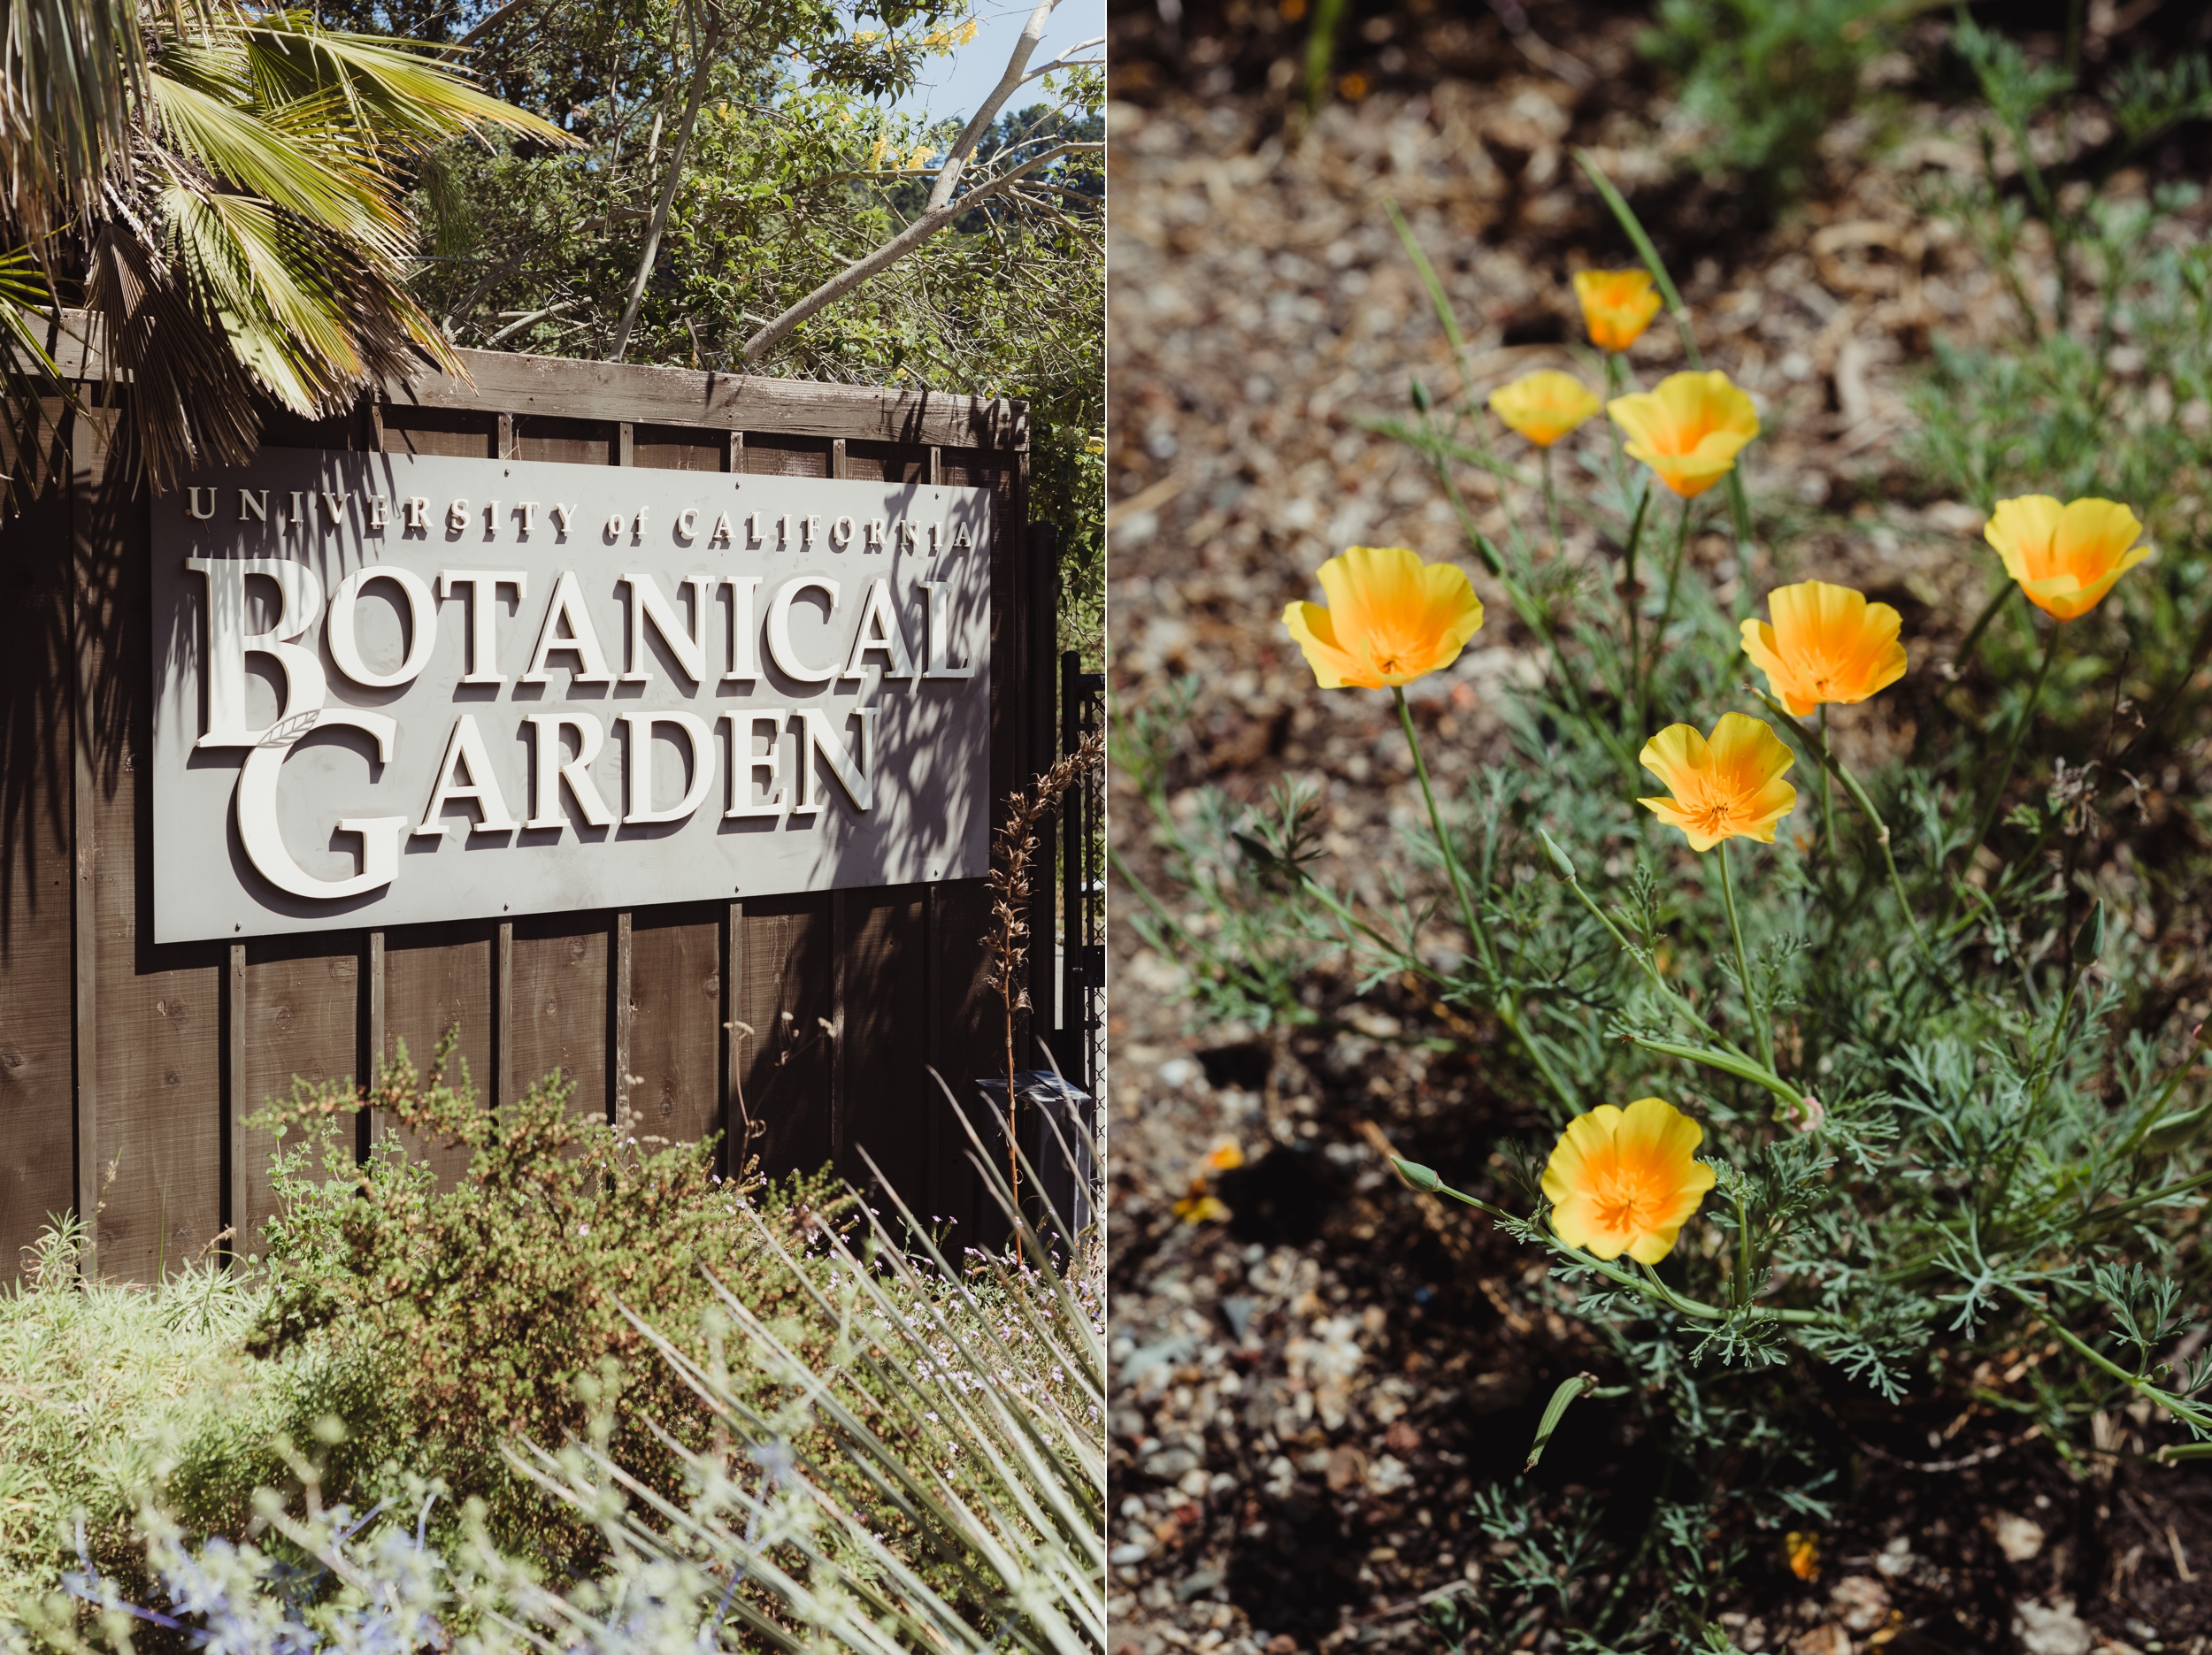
x=876, y=526
x=422, y=619
x=721, y=535
x=744, y=629
x=192, y=504
x=466, y=746
x=748, y=767
x=647, y=603
x=258, y=503
x=780, y=649
x=380, y=512
x=939, y=641
x=582, y=642
x=483, y=601
x=687, y=523
x=638, y=772
x=820, y=736
x=264, y=840
x=527, y=510
x=417, y=511
x=553, y=769
x=879, y=633
x=562, y=517
x=842, y=533
x=228, y=643
x=457, y=515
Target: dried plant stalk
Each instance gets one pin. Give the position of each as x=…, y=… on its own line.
x=1008, y=939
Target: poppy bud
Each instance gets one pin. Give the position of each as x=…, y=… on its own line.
x=1559, y=858
x=1421, y=1178
x=1421, y=396
x=2089, y=940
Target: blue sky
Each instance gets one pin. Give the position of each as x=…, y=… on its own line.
x=955, y=84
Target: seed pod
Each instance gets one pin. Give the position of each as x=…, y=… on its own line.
x=2089, y=940
x=1421, y=1178
x=2176, y=1131
x=1559, y=858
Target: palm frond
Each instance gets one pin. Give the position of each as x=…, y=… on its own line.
x=71, y=73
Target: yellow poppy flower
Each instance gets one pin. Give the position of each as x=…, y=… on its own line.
x=1625, y=1180
x=1825, y=644
x=2065, y=558
x=1544, y=406
x=1390, y=618
x=1729, y=787
x=1617, y=305
x=1689, y=430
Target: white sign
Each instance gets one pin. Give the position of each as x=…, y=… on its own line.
x=392, y=688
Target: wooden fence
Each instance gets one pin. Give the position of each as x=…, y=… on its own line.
x=128, y=1070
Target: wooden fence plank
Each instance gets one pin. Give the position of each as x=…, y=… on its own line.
x=569, y=442
x=297, y=1002
x=677, y=397
x=151, y=1039
x=37, y=1111
x=785, y=994
x=885, y=1100
x=781, y=455
x=675, y=1025
x=557, y=1017
x=972, y=1041
x=678, y=448
x=434, y=977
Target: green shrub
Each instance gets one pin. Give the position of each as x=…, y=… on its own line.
x=900, y=1456
x=461, y=1319
x=1769, y=78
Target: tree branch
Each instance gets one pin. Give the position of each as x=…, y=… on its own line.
x=931, y=221
x=700, y=74
x=979, y=123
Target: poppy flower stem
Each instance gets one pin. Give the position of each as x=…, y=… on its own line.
x=1827, y=797
x=1666, y=608
x=1502, y=1004
x=1630, y=702
x=1820, y=752
x=1551, y=505
x=1743, y=1252
x=2012, y=749
x=1752, y=1008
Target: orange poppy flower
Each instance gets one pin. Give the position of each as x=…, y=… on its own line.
x=1544, y=406
x=1617, y=305
x=1689, y=430
x=1729, y=787
x=1825, y=644
x=1626, y=1180
x=2065, y=558
x=1391, y=618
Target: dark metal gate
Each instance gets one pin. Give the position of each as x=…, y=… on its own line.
x=1082, y=1012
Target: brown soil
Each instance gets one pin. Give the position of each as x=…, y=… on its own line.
x=1311, y=1391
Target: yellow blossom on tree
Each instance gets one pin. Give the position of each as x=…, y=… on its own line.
x=1626, y=1180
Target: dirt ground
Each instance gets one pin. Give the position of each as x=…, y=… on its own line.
x=1310, y=1389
